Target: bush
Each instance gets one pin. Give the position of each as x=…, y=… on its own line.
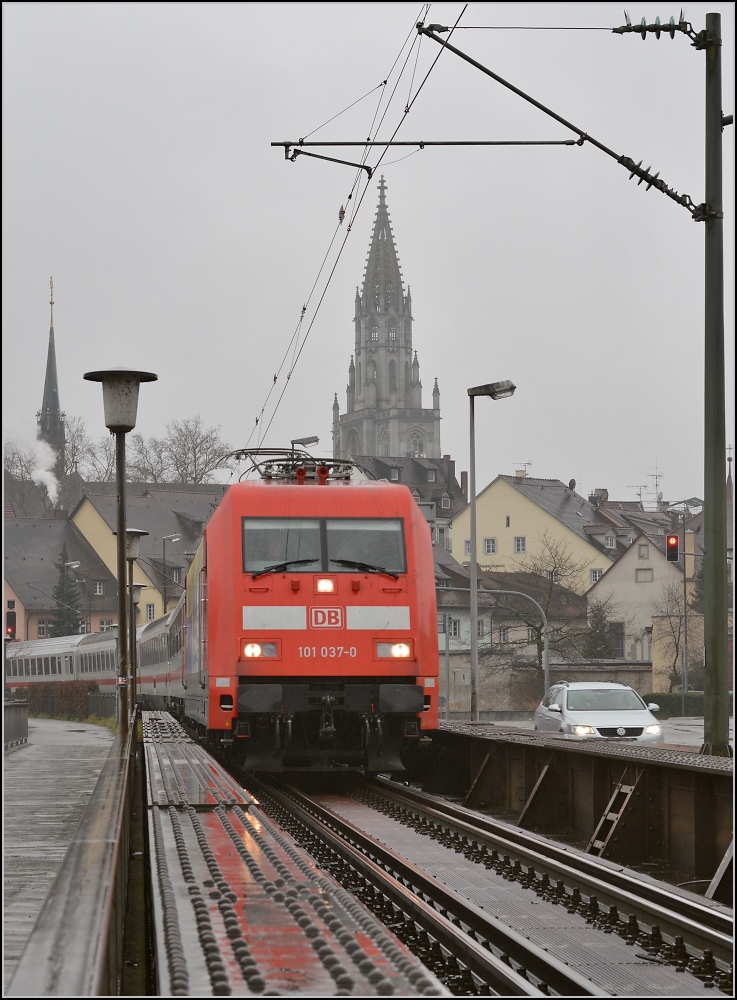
x=60, y=699
x=670, y=704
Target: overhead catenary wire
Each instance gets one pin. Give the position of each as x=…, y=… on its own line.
x=295, y=347
x=360, y=201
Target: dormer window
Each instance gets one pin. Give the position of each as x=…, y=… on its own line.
x=445, y=501
x=610, y=542
x=394, y=475
x=431, y=475
x=415, y=494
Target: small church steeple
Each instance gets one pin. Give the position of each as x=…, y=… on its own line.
x=50, y=418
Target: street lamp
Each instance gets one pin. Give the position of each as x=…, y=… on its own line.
x=133, y=538
x=120, y=400
x=495, y=390
x=164, y=540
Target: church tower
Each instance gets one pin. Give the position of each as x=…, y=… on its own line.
x=384, y=414
x=50, y=419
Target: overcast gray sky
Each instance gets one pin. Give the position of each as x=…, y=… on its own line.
x=138, y=171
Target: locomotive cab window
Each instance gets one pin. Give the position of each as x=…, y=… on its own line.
x=334, y=545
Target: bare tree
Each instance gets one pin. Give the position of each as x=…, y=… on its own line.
x=101, y=461
x=149, y=460
x=19, y=463
x=669, y=607
x=196, y=452
x=78, y=447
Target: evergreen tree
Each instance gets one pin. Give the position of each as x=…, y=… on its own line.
x=597, y=642
x=696, y=600
x=66, y=618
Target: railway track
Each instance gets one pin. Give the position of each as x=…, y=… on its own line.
x=570, y=925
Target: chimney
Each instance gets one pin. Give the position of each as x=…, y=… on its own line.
x=598, y=496
x=521, y=473
x=464, y=484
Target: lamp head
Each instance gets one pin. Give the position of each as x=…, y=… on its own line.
x=306, y=441
x=120, y=395
x=133, y=538
x=496, y=390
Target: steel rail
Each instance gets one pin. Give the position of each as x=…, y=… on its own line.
x=654, y=903
x=407, y=884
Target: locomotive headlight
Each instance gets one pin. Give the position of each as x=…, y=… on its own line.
x=262, y=650
x=325, y=585
x=394, y=650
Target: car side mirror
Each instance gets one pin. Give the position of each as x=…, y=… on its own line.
x=652, y=707
x=554, y=708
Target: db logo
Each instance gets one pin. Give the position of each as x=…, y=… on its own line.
x=326, y=617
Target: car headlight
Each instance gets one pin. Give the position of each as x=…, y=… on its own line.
x=584, y=730
x=652, y=730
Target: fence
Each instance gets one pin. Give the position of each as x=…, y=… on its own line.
x=15, y=723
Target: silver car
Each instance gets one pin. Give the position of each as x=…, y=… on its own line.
x=592, y=710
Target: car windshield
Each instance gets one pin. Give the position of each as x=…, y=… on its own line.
x=604, y=700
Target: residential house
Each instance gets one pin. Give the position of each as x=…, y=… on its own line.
x=525, y=524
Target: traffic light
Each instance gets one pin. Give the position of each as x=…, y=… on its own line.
x=10, y=624
x=671, y=548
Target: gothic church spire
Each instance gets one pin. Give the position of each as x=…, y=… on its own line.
x=50, y=418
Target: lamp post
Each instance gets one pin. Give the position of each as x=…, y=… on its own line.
x=120, y=401
x=495, y=390
x=164, y=592
x=133, y=538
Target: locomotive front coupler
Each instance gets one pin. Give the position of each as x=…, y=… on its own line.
x=327, y=729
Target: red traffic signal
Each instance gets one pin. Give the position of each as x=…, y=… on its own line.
x=671, y=548
x=10, y=624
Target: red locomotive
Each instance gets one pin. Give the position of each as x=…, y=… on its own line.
x=306, y=638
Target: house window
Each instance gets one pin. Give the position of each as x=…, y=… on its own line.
x=431, y=475
x=616, y=638
x=150, y=612
x=374, y=334
x=553, y=575
x=442, y=583
x=415, y=494
x=106, y=624
x=467, y=547
x=445, y=501
x=530, y=634
x=519, y=544
x=394, y=475
x=175, y=574
x=507, y=519
x=392, y=334
x=594, y=575
x=504, y=633
x=98, y=588
x=643, y=576
x=610, y=542
x=455, y=628
x=643, y=551
x=489, y=546
x=43, y=626
x=441, y=624
x=440, y=536
x=480, y=628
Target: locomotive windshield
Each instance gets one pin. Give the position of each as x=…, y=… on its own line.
x=335, y=545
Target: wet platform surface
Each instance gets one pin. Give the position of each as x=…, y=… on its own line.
x=47, y=783
x=239, y=909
